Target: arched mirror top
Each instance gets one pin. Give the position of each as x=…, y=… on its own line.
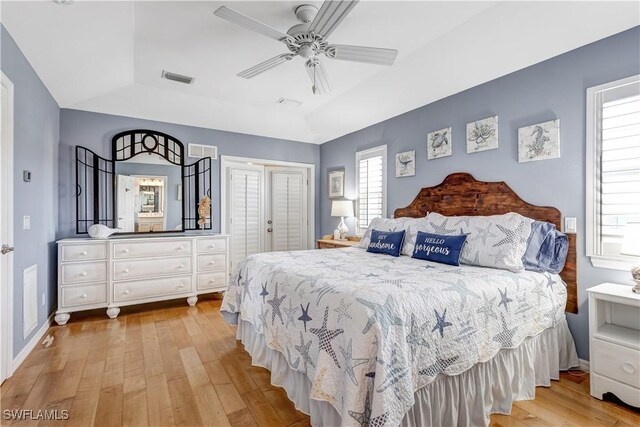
x=129, y=144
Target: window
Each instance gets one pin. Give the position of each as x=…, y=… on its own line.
x=371, y=176
x=613, y=168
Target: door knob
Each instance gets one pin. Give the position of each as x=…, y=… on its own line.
x=269, y=230
x=6, y=249
x=269, y=222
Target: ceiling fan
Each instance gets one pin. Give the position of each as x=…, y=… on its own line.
x=309, y=40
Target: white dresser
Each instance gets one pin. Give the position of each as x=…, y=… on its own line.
x=135, y=270
x=614, y=332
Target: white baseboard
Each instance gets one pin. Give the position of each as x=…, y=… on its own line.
x=31, y=345
x=584, y=365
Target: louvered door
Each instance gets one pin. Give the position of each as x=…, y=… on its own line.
x=246, y=213
x=287, y=210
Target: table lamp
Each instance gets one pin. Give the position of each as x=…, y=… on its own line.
x=631, y=246
x=342, y=208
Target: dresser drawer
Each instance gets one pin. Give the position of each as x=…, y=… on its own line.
x=139, y=269
x=84, y=272
x=212, y=262
x=215, y=280
x=615, y=361
x=84, y=295
x=152, y=248
x=83, y=252
x=144, y=289
x=213, y=244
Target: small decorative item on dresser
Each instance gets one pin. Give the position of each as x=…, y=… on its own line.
x=100, y=231
x=204, y=209
x=631, y=246
x=342, y=208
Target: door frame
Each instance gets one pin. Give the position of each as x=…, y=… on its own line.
x=6, y=237
x=227, y=161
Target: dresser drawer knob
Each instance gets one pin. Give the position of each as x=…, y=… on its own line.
x=212, y=262
x=212, y=281
x=83, y=296
x=125, y=271
x=83, y=274
x=181, y=285
x=126, y=292
x=181, y=266
x=212, y=246
x=84, y=253
x=179, y=248
x=125, y=251
x=628, y=367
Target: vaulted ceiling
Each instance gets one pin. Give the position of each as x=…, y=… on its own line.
x=108, y=57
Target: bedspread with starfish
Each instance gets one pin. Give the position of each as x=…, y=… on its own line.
x=369, y=329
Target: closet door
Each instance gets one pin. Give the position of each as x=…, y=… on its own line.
x=246, y=216
x=287, y=209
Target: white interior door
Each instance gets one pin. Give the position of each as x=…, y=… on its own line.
x=6, y=227
x=287, y=209
x=245, y=211
x=126, y=203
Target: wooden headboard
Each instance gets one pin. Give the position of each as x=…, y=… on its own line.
x=461, y=194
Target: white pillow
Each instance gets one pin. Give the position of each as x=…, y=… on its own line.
x=497, y=241
x=392, y=224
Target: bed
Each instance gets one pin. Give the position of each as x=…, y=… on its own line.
x=366, y=339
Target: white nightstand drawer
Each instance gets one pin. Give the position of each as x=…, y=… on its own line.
x=142, y=289
x=212, y=244
x=152, y=248
x=212, y=280
x=139, y=269
x=84, y=272
x=615, y=361
x=84, y=295
x=84, y=252
x=212, y=262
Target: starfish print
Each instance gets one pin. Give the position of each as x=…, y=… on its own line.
x=461, y=289
x=514, y=236
x=466, y=331
x=325, y=336
x=505, y=337
x=245, y=287
x=438, y=366
x=500, y=258
x=471, y=261
x=264, y=292
x=303, y=349
x=275, y=304
x=483, y=234
x=363, y=417
x=274, y=343
x=316, y=389
x=487, y=307
x=262, y=317
x=290, y=313
x=350, y=363
x=539, y=291
x=523, y=305
x=552, y=314
x=441, y=323
x=382, y=314
x=305, y=316
x=394, y=372
x=464, y=220
x=372, y=275
x=343, y=310
x=293, y=364
x=324, y=290
x=442, y=229
x=504, y=300
x=415, y=337
x=550, y=281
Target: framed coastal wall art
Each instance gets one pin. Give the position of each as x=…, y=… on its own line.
x=482, y=135
x=539, y=142
x=439, y=143
x=336, y=184
x=406, y=163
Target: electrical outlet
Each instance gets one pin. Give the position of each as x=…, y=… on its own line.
x=44, y=299
x=571, y=224
x=26, y=222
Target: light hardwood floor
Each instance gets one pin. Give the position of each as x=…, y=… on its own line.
x=170, y=364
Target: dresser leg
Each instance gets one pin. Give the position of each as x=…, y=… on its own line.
x=113, y=312
x=192, y=300
x=62, y=318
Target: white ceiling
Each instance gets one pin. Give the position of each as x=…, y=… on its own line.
x=108, y=57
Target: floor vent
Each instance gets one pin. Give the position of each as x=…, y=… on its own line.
x=29, y=300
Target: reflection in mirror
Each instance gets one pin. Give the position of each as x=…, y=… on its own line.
x=147, y=195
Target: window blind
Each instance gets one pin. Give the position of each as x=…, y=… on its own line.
x=371, y=171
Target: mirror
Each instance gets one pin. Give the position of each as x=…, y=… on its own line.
x=148, y=195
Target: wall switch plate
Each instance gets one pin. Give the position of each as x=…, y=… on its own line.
x=26, y=176
x=44, y=299
x=571, y=224
x=26, y=222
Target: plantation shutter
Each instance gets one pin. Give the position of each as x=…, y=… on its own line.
x=619, y=178
x=288, y=210
x=246, y=214
x=371, y=192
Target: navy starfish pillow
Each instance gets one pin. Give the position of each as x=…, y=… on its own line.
x=386, y=242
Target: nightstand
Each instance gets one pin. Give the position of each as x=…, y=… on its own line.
x=328, y=242
x=614, y=335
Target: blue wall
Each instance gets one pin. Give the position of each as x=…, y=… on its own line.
x=95, y=130
x=553, y=89
x=36, y=136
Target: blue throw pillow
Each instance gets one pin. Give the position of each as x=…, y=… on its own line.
x=386, y=242
x=437, y=248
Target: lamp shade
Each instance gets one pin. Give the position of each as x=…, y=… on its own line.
x=631, y=242
x=342, y=208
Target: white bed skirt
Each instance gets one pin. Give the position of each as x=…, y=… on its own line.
x=463, y=400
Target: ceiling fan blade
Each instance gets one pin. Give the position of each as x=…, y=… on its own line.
x=318, y=76
x=249, y=23
x=265, y=66
x=330, y=15
x=370, y=55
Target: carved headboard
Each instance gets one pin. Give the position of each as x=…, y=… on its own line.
x=461, y=194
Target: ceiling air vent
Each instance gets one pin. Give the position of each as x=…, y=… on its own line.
x=199, y=151
x=177, y=77
x=289, y=102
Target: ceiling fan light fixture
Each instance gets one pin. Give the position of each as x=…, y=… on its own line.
x=306, y=12
x=64, y=2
